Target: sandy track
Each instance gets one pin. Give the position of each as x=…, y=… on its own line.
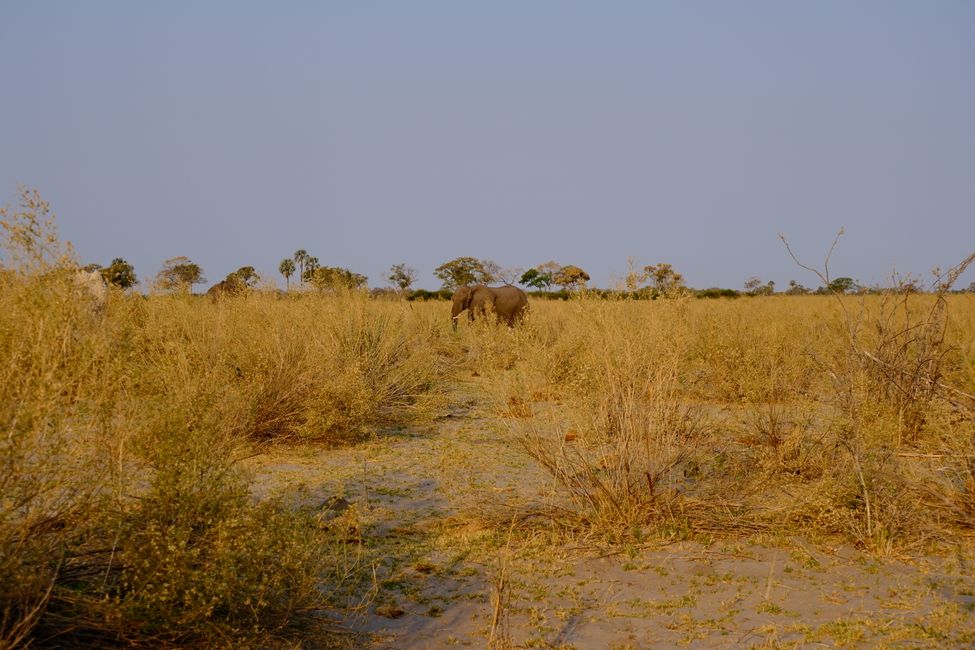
x=419, y=497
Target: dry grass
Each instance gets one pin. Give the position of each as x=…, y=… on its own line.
x=700, y=418
x=125, y=519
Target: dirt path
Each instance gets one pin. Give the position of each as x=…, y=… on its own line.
x=417, y=496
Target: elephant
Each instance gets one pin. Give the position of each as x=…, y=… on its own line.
x=508, y=303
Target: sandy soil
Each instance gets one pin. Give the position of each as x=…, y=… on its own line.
x=419, y=498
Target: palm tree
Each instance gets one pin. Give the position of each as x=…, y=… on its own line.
x=287, y=269
x=300, y=256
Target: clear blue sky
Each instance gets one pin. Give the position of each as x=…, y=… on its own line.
x=371, y=133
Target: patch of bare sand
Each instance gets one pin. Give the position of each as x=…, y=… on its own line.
x=432, y=568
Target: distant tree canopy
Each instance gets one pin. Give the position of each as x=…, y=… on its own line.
x=536, y=279
x=543, y=276
x=465, y=271
x=796, y=289
x=311, y=264
x=754, y=287
x=401, y=276
x=120, y=274
x=842, y=285
x=334, y=277
x=510, y=275
x=570, y=277
x=299, y=258
x=179, y=274
x=246, y=277
x=287, y=269
x=664, y=280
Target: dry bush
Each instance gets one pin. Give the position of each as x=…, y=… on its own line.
x=630, y=454
x=50, y=473
x=896, y=413
x=687, y=417
x=326, y=368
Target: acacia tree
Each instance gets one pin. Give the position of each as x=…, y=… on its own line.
x=465, y=271
x=664, y=279
x=287, y=269
x=570, y=277
x=401, y=276
x=536, y=279
x=179, y=274
x=842, y=285
x=119, y=273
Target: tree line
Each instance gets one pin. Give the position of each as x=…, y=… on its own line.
x=549, y=278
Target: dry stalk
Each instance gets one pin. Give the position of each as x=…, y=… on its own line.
x=500, y=634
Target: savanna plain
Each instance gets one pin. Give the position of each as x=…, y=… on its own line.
x=313, y=469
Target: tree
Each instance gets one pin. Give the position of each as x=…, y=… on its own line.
x=120, y=274
x=287, y=269
x=490, y=272
x=752, y=283
x=510, y=275
x=842, y=285
x=245, y=276
x=754, y=286
x=550, y=268
x=300, y=256
x=179, y=274
x=542, y=276
x=401, y=276
x=633, y=278
x=570, y=277
x=464, y=271
x=334, y=277
x=536, y=279
x=665, y=280
x=796, y=289
x=311, y=265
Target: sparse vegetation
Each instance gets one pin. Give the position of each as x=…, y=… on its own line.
x=127, y=517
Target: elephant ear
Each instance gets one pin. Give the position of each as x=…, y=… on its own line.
x=468, y=296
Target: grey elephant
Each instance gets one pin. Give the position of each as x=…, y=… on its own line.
x=508, y=303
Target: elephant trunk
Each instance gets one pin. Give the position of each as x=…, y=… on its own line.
x=455, y=311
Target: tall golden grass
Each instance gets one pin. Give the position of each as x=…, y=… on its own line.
x=124, y=517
